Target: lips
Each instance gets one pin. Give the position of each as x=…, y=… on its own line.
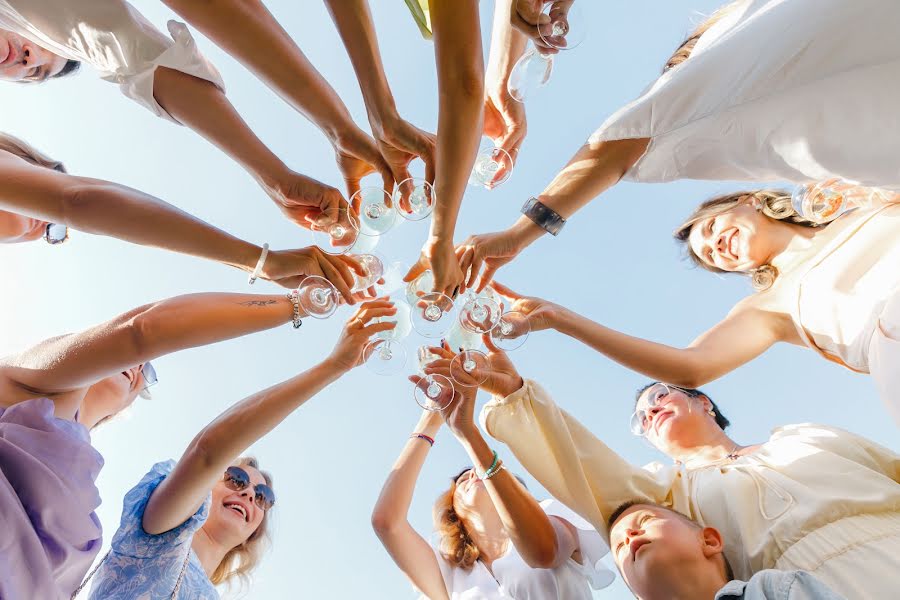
x=10, y=55
x=635, y=546
x=663, y=416
x=238, y=508
x=732, y=244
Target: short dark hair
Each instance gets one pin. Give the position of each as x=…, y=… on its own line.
x=721, y=420
x=71, y=66
x=625, y=506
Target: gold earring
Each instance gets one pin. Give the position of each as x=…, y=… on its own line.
x=711, y=412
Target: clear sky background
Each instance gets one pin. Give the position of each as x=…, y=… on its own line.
x=615, y=262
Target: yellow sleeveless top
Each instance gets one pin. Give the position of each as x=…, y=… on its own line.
x=422, y=16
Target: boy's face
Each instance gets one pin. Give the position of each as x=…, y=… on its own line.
x=653, y=546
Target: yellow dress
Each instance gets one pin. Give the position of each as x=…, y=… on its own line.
x=422, y=16
x=812, y=497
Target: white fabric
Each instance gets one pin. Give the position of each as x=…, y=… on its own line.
x=793, y=90
x=884, y=356
x=513, y=578
x=114, y=38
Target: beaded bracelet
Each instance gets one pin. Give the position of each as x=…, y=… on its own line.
x=490, y=474
x=294, y=297
x=259, y=264
x=490, y=468
x=422, y=436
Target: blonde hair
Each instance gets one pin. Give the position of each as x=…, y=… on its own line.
x=774, y=204
x=25, y=151
x=240, y=561
x=456, y=546
x=686, y=48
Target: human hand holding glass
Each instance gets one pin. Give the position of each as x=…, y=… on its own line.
x=354, y=340
x=385, y=355
x=336, y=236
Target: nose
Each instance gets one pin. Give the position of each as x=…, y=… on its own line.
x=32, y=56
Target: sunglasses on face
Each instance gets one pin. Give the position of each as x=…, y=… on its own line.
x=149, y=373
x=238, y=480
x=656, y=395
x=55, y=234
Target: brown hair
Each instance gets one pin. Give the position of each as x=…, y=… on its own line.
x=241, y=560
x=27, y=152
x=457, y=546
x=686, y=48
x=775, y=204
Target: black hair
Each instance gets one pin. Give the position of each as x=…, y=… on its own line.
x=721, y=420
x=71, y=66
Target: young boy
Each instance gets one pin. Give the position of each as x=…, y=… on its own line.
x=664, y=555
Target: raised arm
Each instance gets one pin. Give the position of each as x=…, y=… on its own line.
x=68, y=363
x=745, y=333
x=460, y=69
x=202, y=106
x=595, y=168
x=410, y=551
x=544, y=542
x=399, y=141
x=246, y=30
x=105, y=208
x=231, y=433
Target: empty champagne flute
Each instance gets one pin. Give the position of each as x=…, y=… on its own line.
x=470, y=366
x=376, y=210
x=373, y=266
x=318, y=297
x=511, y=331
x=433, y=314
x=385, y=355
x=414, y=198
x=434, y=392
x=493, y=166
x=479, y=313
x=338, y=237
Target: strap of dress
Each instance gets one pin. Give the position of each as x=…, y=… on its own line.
x=174, y=595
x=815, y=262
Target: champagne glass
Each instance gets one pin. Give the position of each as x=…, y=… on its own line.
x=470, y=366
x=376, y=210
x=434, y=392
x=425, y=357
x=493, y=166
x=318, y=297
x=414, y=198
x=433, y=314
x=479, y=314
x=338, y=237
x=373, y=266
x=824, y=201
x=418, y=287
x=565, y=30
x=511, y=332
x=385, y=355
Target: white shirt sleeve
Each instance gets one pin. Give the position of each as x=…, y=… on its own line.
x=112, y=37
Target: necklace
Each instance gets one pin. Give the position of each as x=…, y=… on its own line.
x=733, y=455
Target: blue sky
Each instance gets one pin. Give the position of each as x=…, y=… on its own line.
x=615, y=262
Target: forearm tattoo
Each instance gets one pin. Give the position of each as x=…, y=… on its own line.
x=258, y=302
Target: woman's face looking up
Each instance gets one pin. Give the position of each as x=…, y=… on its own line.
x=23, y=60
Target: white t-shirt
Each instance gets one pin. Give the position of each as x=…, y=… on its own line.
x=513, y=578
x=795, y=90
x=114, y=38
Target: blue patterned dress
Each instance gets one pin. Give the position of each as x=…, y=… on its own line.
x=141, y=566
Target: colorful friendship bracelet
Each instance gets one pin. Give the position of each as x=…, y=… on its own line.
x=490, y=470
x=490, y=474
x=422, y=436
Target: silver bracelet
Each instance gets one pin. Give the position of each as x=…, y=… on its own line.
x=294, y=297
x=543, y=216
x=259, y=264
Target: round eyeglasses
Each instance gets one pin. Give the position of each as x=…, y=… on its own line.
x=656, y=395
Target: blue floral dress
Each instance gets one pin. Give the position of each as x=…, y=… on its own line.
x=141, y=566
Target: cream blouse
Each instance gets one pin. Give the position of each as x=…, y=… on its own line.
x=114, y=38
x=794, y=90
x=803, y=478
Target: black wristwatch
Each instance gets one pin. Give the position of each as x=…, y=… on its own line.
x=543, y=216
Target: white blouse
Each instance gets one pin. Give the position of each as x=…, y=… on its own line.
x=114, y=38
x=794, y=90
x=514, y=579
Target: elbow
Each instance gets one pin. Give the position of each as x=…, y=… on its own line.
x=79, y=201
x=202, y=450
x=465, y=85
x=383, y=522
x=543, y=557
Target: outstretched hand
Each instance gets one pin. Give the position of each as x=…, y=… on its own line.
x=400, y=142
x=288, y=268
x=488, y=250
x=358, y=155
x=526, y=16
x=505, y=124
x=357, y=333
x=443, y=261
x=304, y=200
x=542, y=314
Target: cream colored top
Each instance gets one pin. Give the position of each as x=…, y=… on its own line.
x=843, y=289
x=422, y=15
x=803, y=478
x=794, y=90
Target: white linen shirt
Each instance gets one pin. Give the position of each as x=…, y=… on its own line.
x=795, y=90
x=114, y=38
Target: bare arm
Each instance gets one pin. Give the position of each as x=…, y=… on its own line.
x=67, y=363
x=203, y=107
x=410, y=551
x=222, y=441
x=246, y=30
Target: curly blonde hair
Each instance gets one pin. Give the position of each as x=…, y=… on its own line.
x=25, y=151
x=775, y=204
x=240, y=561
x=686, y=48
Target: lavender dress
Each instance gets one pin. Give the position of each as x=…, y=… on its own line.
x=49, y=534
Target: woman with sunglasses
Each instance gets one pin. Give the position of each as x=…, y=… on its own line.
x=811, y=497
x=496, y=540
x=40, y=200
x=191, y=525
x=54, y=393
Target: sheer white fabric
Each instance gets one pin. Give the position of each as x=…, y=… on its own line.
x=114, y=38
x=794, y=90
x=513, y=578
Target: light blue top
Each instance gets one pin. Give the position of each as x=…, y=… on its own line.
x=141, y=565
x=778, y=585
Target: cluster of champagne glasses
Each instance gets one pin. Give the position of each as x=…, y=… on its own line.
x=564, y=29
